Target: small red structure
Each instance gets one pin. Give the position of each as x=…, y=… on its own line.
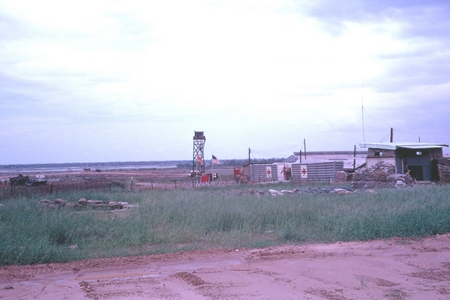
x=205, y=178
x=241, y=174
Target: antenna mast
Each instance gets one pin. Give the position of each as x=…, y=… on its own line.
x=362, y=112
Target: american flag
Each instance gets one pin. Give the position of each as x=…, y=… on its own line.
x=215, y=160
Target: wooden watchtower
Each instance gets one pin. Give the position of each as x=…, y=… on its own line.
x=198, y=155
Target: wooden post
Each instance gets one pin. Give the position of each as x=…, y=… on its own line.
x=304, y=144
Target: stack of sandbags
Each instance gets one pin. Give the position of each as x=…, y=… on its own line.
x=57, y=203
x=380, y=175
x=83, y=203
x=444, y=169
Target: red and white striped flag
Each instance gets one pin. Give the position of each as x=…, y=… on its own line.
x=215, y=160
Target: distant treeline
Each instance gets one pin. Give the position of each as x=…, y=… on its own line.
x=91, y=164
x=178, y=163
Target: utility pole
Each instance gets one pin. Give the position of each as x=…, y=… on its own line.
x=304, y=146
x=392, y=135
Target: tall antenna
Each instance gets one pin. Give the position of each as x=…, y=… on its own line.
x=362, y=112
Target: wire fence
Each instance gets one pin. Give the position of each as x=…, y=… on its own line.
x=56, y=186
x=7, y=190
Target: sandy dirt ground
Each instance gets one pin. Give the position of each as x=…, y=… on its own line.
x=384, y=269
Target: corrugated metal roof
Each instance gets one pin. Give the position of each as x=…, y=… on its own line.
x=406, y=145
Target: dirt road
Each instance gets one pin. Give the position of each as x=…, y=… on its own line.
x=390, y=269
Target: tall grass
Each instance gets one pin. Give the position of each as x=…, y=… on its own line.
x=178, y=220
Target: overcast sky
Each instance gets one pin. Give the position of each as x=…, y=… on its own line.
x=97, y=81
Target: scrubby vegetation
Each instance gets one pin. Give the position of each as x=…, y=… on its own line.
x=180, y=220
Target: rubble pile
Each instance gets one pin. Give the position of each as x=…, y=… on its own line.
x=380, y=175
x=326, y=190
x=83, y=203
x=309, y=191
x=312, y=191
x=301, y=191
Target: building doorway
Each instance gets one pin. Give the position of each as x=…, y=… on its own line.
x=416, y=172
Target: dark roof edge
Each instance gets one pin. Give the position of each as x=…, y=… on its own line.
x=331, y=152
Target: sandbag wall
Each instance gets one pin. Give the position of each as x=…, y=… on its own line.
x=443, y=165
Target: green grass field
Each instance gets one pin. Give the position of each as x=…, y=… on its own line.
x=181, y=220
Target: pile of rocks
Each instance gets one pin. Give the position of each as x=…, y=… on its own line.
x=309, y=191
x=57, y=203
x=380, y=175
x=83, y=203
x=326, y=190
x=301, y=191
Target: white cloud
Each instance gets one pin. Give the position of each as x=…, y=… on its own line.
x=256, y=73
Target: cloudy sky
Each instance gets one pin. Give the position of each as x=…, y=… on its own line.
x=95, y=81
